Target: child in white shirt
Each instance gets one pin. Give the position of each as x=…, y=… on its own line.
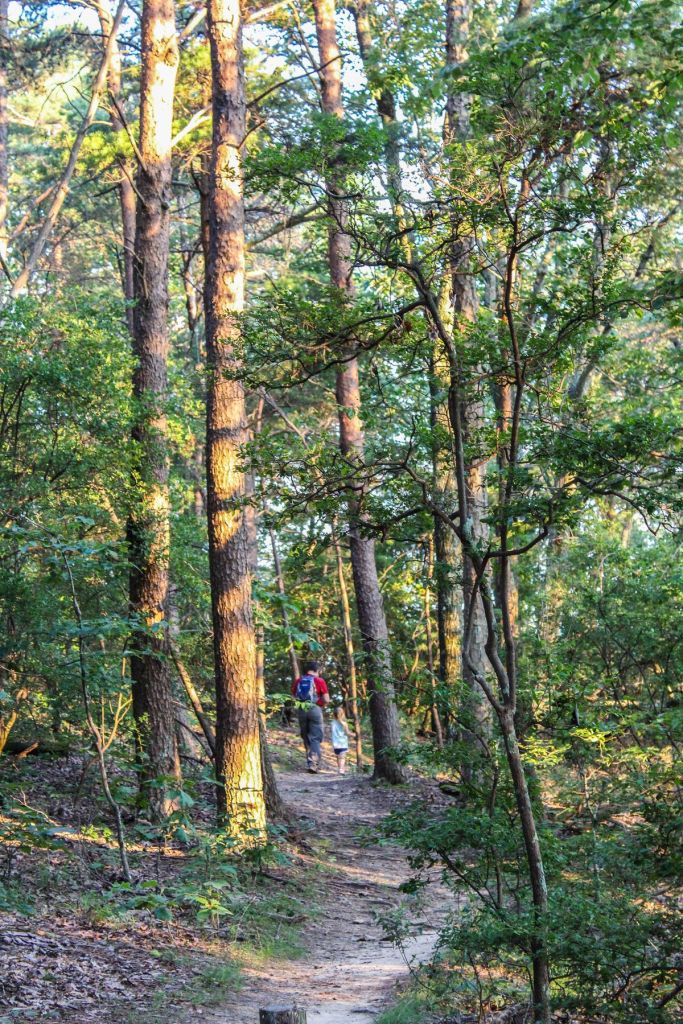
x=340, y=737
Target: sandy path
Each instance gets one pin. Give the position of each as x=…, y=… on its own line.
x=353, y=973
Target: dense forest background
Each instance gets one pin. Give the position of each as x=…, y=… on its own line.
x=353, y=335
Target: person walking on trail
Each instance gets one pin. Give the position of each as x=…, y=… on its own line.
x=311, y=695
x=340, y=737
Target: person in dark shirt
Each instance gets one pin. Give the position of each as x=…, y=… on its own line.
x=311, y=695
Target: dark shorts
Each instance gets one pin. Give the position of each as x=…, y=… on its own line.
x=340, y=750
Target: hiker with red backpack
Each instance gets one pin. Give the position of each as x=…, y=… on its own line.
x=311, y=695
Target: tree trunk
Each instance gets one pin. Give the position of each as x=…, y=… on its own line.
x=539, y=889
x=275, y=807
x=465, y=309
x=148, y=524
x=62, y=189
x=4, y=127
x=446, y=547
x=371, y=617
x=348, y=649
x=126, y=190
x=280, y=582
x=7, y=722
x=241, y=804
x=436, y=717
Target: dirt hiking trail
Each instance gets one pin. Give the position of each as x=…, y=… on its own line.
x=349, y=973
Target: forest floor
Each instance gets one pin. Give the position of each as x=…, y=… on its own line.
x=347, y=971
x=73, y=948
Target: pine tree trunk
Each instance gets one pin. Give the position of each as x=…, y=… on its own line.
x=241, y=803
x=148, y=525
x=370, y=607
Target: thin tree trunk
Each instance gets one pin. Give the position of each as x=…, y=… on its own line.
x=371, y=617
x=126, y=189
x=62, y=190
x=241, y=804
x=446, y=547
x=539, y=888
x=465, y=309
x=4, y=127
x=449, y=595
x=436, y=717
x=195, y=701
x=280, y=582
x=348, y=649
x=385, y=102
x=8, y=722
x=271, y=794
x=149, y=523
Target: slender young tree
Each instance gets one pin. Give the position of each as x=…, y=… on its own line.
x=370, y=607
x=126, y=189
x=241, y=803
x=4, y=126
x=148, y=524
x=464, y=305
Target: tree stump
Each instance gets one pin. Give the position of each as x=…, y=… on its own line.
x=282, y=1015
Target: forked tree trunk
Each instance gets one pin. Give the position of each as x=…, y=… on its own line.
x=370, y=607
x=148, y=524
x=241, y=803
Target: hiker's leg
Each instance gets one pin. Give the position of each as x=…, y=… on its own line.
x=303, y=729
x=315, y=732
x=341, y=761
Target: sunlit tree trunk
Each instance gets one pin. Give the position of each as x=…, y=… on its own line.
x=148, y=525
x=4, y=126
x=241, y=802
x=349, y=654
x=370, y=607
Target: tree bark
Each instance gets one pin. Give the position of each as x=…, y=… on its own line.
x=448, y=560
x=149, y=524
x=275, y=807
x=280, y=582
x=436, y=717
x=539, y=888
x=126, y=190
x=4, y=127
x=62, y=190
x=371, y=618
x=465, y=305
x=348, y=649
x=241, y=804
